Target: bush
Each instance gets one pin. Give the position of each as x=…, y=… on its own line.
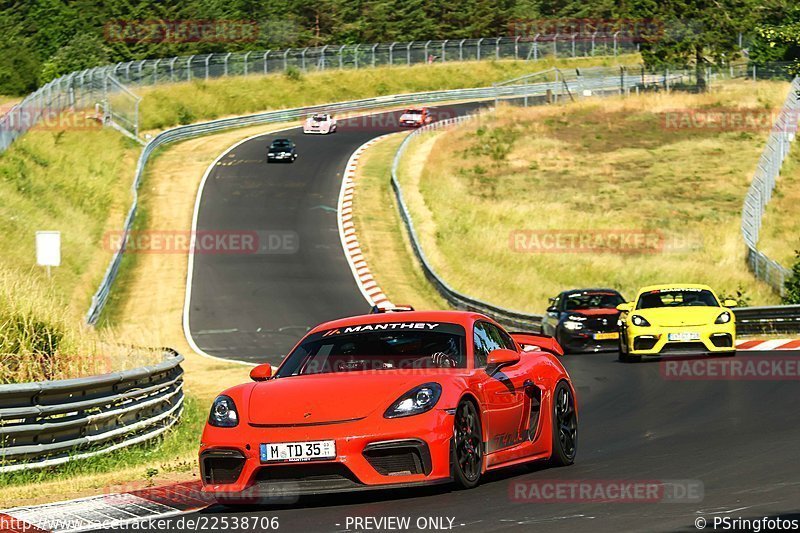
x=792, y=285
x=294, y=74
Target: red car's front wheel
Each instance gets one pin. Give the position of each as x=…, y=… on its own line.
x=466, y=456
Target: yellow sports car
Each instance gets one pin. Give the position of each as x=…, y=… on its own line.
x=676, y=320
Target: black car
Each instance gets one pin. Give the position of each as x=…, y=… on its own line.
x=282, y=150
x=584, y=320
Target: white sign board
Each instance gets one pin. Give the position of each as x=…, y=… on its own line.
x=48, y=248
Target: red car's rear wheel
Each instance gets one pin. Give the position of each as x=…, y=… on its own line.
x=565, y=426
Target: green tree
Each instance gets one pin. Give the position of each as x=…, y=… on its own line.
x=694, y=32
x=792, y=285
x=84, y=51
x=778, y=37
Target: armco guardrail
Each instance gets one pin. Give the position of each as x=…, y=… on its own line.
x=758, y=196
x=750, y=320
x=604, y=82
x=775, y=319
x=49, y=423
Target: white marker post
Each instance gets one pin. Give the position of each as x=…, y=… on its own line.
x=48, y=249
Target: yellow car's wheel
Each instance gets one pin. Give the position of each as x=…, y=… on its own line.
x=624, y=353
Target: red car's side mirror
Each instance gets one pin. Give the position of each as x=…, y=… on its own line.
x=261, y=372
x=501, y=357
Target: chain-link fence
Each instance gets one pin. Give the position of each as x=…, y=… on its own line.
x=758, y=196
x=91, y=87
x=121, y=107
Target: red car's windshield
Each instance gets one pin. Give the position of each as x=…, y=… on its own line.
x=387, y=346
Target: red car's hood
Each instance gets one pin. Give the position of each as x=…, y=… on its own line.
x=326, y=397
x=596, y=312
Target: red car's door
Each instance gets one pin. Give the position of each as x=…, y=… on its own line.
x=506, y=403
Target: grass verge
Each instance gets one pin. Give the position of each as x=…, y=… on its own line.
x=780, y=230
x=76, y=182
x=591, y=167
x=183, y=103
x=377, y=221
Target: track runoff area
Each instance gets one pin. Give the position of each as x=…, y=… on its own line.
x=684, y=444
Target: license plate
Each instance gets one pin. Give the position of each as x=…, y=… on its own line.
x=606, y=336
x=683, y=336
x=297, y=451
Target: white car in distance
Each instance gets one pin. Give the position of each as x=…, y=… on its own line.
x=321, y=123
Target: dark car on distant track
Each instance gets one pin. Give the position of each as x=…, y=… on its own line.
x=584, y=320
x=282, y=150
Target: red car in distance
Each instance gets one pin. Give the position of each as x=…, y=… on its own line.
x=415, y=117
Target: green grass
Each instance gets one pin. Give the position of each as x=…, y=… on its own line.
x=606, y=165
x=184, y=103
x=780, y=232
x=76, y=182
x=395, y=268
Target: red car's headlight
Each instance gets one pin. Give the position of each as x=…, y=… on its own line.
x=223, y=413
x=416, y=401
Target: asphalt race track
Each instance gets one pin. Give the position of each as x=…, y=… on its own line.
x=255, y=306
x=736, y=439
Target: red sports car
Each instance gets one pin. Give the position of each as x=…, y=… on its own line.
x=391, y=400
x=415, y=117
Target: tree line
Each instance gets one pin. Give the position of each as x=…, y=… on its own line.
x=44, y=39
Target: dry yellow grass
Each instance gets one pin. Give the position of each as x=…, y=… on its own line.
x=607, y=165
